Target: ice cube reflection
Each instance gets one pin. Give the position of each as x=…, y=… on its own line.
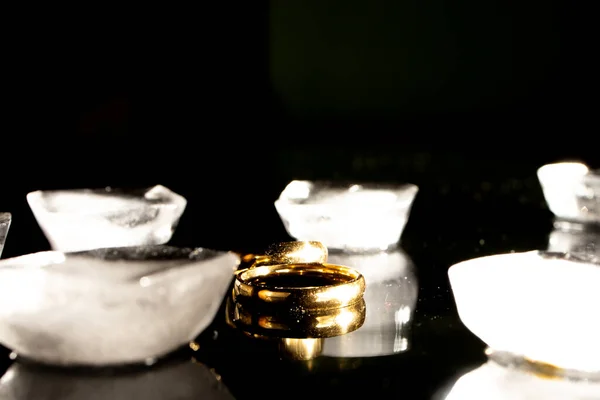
x=5, y=219
x=390, y=297
x=177, y=380
x=583, y=243
x=492, y=381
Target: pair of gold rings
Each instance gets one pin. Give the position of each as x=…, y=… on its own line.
x=296, y=275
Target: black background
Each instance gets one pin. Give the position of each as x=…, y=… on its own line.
x=225, y=104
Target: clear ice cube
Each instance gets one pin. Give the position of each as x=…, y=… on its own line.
x=542, y=306
x=572, y=192
x=110, y=306
x=346, y=216
x=83, y=219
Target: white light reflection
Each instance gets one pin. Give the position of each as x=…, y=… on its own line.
x=390, y=297
x=402, y=318
x=298, y=190
x=306, y=252
x=343, y=294
x=495, y=382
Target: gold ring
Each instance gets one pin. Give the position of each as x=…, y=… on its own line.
x=299, y=286
x=299, y=252
x=300, y=325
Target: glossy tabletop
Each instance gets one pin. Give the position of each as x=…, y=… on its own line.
x=412, y=344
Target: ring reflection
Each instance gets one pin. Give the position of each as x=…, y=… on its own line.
x=298, y=335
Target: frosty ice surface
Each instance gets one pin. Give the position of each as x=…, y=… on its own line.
x=538, y=305
x=110, y=306
x=572, y=192
x=350, y=217
x=83, y=219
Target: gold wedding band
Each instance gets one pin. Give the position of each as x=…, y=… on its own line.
x=299, y=252
x=293, y=294
x=308, y=286
x=295, y=325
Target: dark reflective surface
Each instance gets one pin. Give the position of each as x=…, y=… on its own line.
x=173, y=380
x=412, y=344
x=464, y=99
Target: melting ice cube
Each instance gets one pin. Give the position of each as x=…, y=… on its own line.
x=82, y=219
